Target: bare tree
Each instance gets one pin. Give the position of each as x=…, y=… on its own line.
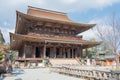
x=109, y=33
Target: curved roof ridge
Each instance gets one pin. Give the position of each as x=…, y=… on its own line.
x=39, y=12
x=54, y=20
x=57, y=12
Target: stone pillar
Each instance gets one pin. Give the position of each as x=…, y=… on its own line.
x=44, y=51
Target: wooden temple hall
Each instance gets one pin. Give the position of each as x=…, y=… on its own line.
x=44, y=33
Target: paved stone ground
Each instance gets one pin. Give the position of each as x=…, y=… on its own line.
x=45, y=74
x=38, y=74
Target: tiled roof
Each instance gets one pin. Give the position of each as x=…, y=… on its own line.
x=38, y=12
x=56, y=37
x=32, y=37
x=79, y=27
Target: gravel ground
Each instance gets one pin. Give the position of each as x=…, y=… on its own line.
x=38, y=74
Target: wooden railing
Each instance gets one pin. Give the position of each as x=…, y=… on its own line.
x=87, y=74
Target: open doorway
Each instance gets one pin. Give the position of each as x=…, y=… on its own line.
x=47, y=52
x=57, y=53
x=38, y=52
x=70, y=53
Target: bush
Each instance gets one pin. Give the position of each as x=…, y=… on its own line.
x=1, y=55
x=2, y=70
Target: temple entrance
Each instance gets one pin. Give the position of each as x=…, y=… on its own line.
x=57, y=52
x=70, y=53
x=74, y=53
x=66, y=55
x=37, y=54
x=47, y=52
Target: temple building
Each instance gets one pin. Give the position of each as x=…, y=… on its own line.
x=49, y=34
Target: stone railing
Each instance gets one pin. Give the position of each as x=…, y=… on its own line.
x=86, y=74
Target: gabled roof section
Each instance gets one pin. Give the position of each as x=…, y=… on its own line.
x=43, y=13
x=78, y=26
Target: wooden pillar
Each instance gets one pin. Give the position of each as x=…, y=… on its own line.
x=42, y=56
x=34, y=51
x=54, y=53
x=86, y=50
x=51, y=52
x=44, y=51
x=60, y=52
x=64, y=52
x=72, y=53
x=78, y=52
x=68, y=52
x=24, y=55
x=81, y=51
x=41, y=52
x=75, y=52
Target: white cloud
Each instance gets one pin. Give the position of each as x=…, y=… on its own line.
x=5, y=29
x=5, y=32
x=6, y=24
x=93, y=33
x=8, y=8
x=69, y=2
x=89, y=34
x=103, y=24
x=62, y=5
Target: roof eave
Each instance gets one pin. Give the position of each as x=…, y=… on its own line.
x=55, y=21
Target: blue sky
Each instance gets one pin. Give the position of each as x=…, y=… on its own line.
x=83, y=11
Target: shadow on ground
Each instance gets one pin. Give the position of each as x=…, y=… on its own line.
x=17, y=72
x=18, y=79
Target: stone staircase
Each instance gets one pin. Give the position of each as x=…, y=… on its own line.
x=62, y=61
